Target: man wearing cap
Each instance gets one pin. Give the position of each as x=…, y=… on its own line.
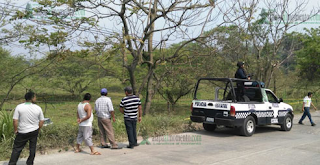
x=241, y=73
x=105, y=111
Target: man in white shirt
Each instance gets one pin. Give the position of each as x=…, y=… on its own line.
x=27, y=121
x=306, y=109
x=105, y=111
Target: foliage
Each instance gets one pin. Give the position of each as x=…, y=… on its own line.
x=74, y=74
x=9, y=67
x=11, y=30
x=6, y=134
x=308, y=56
x=6, y=126
x=176, y=78
x=175, y=85
x=134, y=37
x=57, y=135
x=12, y=71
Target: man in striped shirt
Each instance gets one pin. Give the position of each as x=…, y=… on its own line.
x=129, y=106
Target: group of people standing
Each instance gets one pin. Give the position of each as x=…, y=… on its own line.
x=28, y=119
x=130, y=106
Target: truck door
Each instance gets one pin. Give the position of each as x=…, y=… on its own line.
x=274, y=106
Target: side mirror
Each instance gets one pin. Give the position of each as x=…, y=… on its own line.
x=280, y=100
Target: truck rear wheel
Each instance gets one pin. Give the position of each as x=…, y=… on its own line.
x=287, y=123
x=209, y=127
x=249, y=126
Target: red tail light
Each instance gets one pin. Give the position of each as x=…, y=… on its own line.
x=191, y=107
x=232, y=111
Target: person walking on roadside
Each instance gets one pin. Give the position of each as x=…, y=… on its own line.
x=306, y=109
x=130, y=106
x=105, y=111
x=27, y=120
x=85, y=119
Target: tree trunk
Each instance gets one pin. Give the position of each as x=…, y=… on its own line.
x=172, y=106
x=133, y=80
x=275, y=84
x=270, y=76
x=149, y=93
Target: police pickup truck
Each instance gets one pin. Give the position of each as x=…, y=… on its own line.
x=239, y=104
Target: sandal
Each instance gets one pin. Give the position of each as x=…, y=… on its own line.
x=95, y=153
x=77, y=151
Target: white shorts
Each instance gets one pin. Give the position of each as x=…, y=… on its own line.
x=85, y=134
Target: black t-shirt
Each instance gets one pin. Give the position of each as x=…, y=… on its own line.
x=241, y=74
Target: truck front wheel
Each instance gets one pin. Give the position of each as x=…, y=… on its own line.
x=209, y=127
x=249, y=126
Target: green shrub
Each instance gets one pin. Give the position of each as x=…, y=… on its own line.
x=7, y=134
x=5, y=149
x=6, y=126
x=57, y=136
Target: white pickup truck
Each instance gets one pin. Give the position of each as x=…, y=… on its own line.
x=238, y=103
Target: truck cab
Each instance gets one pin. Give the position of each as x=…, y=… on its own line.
x=238, y=103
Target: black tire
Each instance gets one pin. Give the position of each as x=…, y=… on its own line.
x=249, y=126
x=287, y=123
x=209, y=127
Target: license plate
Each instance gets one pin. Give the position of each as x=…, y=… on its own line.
x=210, y=119
x=274, y=121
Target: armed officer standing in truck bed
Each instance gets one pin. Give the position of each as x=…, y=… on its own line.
x=240, y=74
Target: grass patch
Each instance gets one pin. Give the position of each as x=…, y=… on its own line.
x=6, y=134
x=61, y=135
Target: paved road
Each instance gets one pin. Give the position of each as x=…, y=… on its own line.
x=224, y=147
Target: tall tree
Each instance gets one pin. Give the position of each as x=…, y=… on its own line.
x=14, y=70
x=257, y=36
x=139, y=22
x=308, y=57
x=269, y=32
x=77, y=72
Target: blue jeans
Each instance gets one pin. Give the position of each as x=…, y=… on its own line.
x=131, y=131
x=306, y=112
